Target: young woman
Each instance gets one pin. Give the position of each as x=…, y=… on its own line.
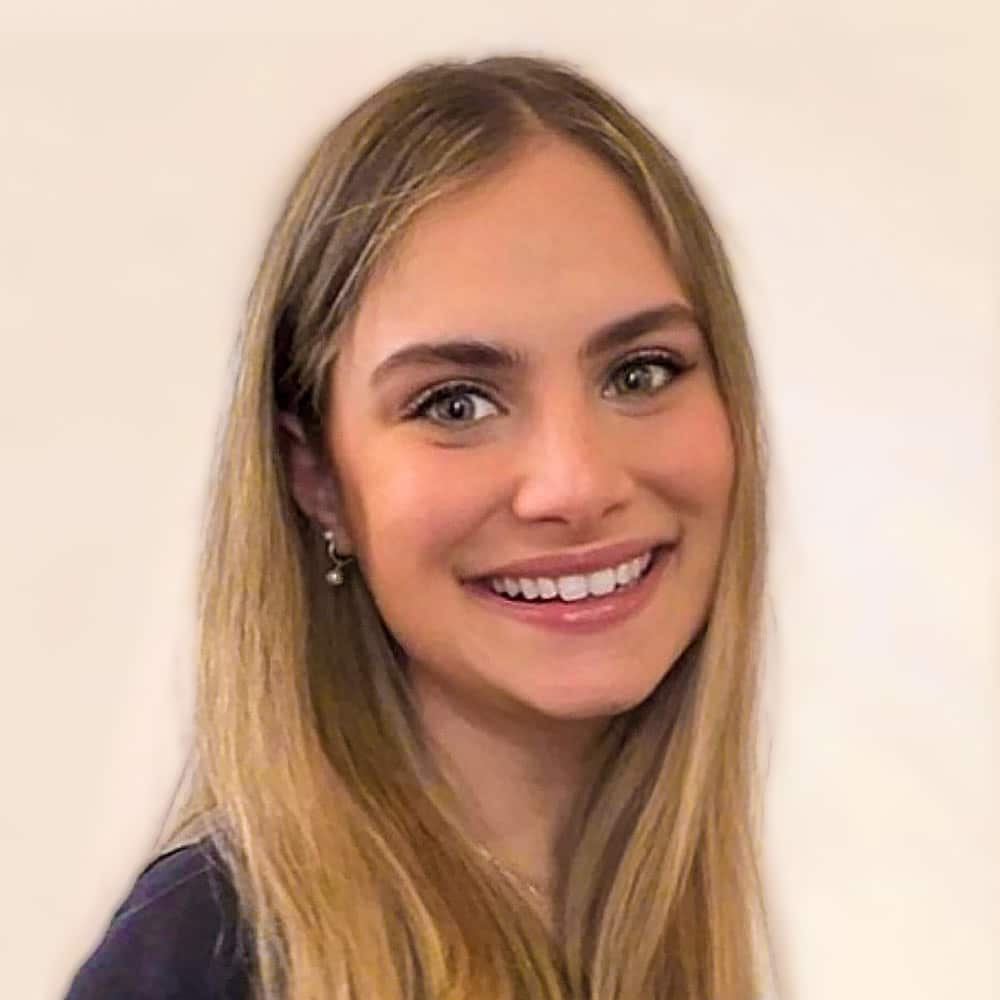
x=480, y=604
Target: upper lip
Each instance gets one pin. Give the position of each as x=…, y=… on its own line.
x=568, y=563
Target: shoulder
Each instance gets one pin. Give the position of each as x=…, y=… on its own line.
x=176, y=935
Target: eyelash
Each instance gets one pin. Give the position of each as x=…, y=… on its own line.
x=420, y=407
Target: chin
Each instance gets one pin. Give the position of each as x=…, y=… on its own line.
x=579, y=705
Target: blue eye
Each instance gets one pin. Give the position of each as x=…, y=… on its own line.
x=456, y=404
x=646, y=374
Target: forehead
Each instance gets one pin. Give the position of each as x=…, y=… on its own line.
x=550, y=244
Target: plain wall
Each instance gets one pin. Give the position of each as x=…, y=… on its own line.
x=847, y=152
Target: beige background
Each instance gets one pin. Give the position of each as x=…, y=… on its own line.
x=849, y=154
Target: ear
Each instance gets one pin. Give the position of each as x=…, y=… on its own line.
x=311, y=481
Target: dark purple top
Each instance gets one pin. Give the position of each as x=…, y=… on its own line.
x=173, y=938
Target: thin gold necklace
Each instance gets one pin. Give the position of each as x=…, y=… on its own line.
x=516, y=878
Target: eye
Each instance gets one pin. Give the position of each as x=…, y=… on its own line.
x=457, y=404
x=645, y=374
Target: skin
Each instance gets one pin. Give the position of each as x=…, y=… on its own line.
x=558, y=455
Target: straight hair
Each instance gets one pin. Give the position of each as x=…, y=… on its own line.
x=309, y=775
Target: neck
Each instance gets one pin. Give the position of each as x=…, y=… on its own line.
x=517, y=776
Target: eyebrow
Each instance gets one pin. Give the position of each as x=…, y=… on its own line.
x=478, y=353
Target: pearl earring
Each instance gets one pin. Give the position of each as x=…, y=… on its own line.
x=334, y=575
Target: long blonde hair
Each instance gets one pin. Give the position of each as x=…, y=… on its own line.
x=309, y=774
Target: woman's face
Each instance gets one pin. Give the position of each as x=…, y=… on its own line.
x=524, y=399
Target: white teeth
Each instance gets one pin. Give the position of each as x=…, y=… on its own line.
x=574, y=587
x=602, y=582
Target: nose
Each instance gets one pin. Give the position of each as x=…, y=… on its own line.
x=573, y=469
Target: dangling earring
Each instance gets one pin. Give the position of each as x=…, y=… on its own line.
x=334, y=575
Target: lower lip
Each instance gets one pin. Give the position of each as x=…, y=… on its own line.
x=592, y=614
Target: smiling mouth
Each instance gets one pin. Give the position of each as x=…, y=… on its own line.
x=572, y=588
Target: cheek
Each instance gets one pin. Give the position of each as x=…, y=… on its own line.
x=697, y=462
x=412, y=508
